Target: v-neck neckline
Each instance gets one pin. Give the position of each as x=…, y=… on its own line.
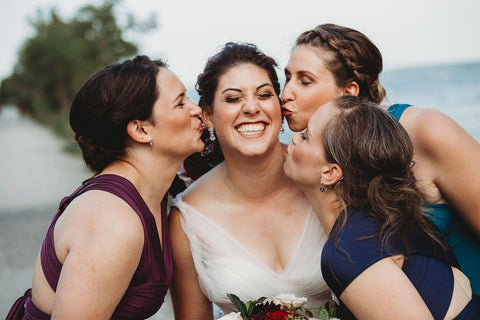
x=246, y=251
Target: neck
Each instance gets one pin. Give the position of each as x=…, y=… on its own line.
x=151, y=175
x=326, y=206
x=256, y=177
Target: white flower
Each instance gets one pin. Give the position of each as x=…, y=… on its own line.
x=231, y=316
x=288, y=300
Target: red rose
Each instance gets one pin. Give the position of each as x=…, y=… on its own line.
x=277, y=315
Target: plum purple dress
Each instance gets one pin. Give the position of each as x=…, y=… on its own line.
x=148, y=287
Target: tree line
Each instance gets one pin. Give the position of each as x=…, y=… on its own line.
x=63, y=53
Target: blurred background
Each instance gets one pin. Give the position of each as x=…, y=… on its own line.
x=49, y=48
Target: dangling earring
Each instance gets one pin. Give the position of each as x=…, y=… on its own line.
x=282, y=129
x=151, y=144
x=322, y=188
x=212, y=134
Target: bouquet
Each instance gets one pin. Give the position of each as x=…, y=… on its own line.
x=281, y=307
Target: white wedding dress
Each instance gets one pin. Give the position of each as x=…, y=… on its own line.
x=224, y=266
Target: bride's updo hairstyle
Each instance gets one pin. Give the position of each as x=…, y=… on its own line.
x=107, y=102
x=230, y=56
x=350, y=56
x=375, y=154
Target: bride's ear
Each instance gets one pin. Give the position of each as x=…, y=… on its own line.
x=207, y=118
x=332, y=174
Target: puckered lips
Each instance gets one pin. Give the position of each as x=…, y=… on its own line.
x=285, y=111
x=199, y=126
x=251, y=129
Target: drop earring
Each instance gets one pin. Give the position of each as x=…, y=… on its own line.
x=151, y=144
x=212, y=134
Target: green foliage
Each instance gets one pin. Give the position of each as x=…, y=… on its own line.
x=323, y=313
x=63, y=53
x=327, y=311
x=245, y=309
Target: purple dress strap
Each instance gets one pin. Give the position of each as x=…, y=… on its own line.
x=153, y=276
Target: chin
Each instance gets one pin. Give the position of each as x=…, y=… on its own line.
x=294, y=126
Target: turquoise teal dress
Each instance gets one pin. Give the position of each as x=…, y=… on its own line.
x=464, y=242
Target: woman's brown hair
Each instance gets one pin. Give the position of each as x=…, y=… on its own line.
x=375, y=154
x=107, y=102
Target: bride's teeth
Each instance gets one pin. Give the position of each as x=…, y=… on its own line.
x=251, y=129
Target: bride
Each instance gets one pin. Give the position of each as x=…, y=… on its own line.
x=244, y=227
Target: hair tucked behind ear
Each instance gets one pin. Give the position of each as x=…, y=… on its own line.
x=351, y=56
x=375, y=153
x=107, y=102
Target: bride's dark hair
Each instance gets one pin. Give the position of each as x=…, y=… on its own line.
x=230, y=56
x=375, y=154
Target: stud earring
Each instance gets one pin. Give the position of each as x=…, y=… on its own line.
x=212, y=133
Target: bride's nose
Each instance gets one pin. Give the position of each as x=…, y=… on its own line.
x=251, y=106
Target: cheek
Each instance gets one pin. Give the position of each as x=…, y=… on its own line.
x=298, y=156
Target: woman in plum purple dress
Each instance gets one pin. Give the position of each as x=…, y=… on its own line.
x=107, y=253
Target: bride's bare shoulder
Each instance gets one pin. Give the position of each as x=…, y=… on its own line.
x=204, y=188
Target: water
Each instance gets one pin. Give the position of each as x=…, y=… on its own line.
x=452, y=89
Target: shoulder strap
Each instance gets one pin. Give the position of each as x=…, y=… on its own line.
x=118, y=186
x=396, y=110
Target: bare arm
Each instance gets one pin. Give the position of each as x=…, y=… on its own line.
x=454, y=157
x=189, y=301
x=384, y=291
x=101, y=241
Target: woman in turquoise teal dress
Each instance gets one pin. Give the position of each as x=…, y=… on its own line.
x=332, y=60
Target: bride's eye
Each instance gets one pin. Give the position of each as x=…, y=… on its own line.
x=232, y=99
x=266, y=95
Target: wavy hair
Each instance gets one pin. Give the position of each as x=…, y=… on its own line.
x=375, y=154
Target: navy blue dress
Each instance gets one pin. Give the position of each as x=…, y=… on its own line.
x=428, y=266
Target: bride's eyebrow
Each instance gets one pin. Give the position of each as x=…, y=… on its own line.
x=263, y=85
x=232, y=89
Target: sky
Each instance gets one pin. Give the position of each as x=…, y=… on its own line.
x=408, y=32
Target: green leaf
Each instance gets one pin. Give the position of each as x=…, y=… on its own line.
x=250, y=305
x=238, y=303
x=261, y=300
x=323, y=313
x=332, y=311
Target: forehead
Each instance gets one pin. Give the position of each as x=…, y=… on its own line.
x=305, y=57
x=320, y=118
x=243, y=75
x=167, y=80
x=304, y=53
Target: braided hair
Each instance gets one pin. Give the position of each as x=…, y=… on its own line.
x=350, y=56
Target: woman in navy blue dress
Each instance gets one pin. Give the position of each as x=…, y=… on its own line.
x=384, y=258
